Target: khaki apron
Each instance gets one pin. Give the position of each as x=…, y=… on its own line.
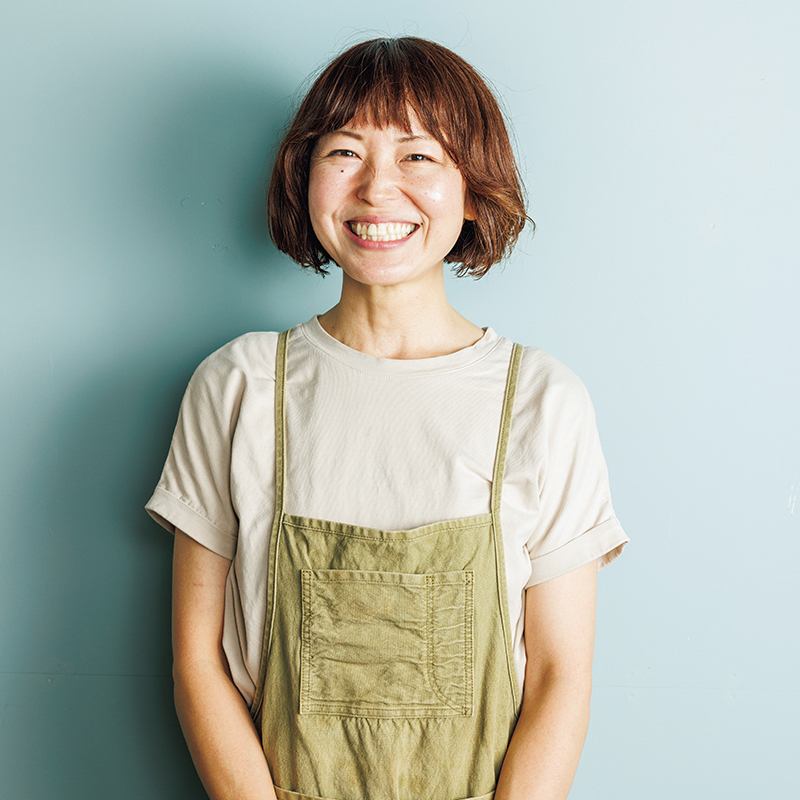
x=387, y=670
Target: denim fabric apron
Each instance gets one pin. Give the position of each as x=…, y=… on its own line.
x=387, y=670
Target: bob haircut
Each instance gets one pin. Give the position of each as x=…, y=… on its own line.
x=380, y=82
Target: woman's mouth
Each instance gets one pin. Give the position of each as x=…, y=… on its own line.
x=382, y=231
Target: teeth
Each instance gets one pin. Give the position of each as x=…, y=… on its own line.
x=382, y=231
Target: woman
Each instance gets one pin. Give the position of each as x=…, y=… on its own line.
x=388, y=521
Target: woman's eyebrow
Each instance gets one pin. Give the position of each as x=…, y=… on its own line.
x=416, y=137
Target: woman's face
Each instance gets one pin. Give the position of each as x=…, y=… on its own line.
x=386, y=205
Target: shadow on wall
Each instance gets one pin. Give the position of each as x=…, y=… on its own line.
x=92, y=662
x=208, y=162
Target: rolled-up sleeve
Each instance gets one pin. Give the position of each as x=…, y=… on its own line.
x=194, y=492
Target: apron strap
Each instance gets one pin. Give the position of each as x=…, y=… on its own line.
x=505, y=427
x=280, y=476
x=497, y=532
x=277, y=523
x=280, y=419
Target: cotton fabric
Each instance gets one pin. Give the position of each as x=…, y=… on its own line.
x=365, y=437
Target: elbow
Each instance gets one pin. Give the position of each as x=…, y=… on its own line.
x=180, y=670
x=195, y=662
x=182, y=685
x=183, y=668
x=193, y=676
x=571, y=683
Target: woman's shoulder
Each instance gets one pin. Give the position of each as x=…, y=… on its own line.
x=546, y=371
x=548, y=384
x=251, y=355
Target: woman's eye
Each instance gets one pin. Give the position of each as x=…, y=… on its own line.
x=343, y=152
x=418, y=157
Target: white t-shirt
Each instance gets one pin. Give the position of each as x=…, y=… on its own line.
x=383, y=443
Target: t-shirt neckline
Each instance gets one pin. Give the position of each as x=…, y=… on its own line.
x=363, y=362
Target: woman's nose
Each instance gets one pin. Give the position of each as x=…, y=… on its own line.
x=379, y=183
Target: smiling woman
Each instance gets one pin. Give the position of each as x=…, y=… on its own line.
x=427, y=93
x=389, y=520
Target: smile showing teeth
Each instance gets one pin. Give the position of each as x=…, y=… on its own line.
x=382, y=231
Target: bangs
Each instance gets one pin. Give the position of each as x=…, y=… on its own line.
x=387, y=81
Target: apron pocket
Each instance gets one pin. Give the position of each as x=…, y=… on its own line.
x=386, y=644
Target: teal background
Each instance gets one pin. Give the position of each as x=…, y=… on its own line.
x=660, y=149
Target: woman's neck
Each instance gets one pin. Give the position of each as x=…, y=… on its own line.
x=402, y=322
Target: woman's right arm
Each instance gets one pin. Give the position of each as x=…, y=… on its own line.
x=216, y=722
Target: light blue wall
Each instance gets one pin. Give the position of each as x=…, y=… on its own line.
x=660, y=148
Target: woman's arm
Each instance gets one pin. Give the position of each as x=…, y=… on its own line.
x=216, y=722
x=559, y=642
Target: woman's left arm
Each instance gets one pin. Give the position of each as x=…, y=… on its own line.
x=543, y=755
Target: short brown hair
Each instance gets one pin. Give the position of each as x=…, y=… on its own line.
x=379, y=81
